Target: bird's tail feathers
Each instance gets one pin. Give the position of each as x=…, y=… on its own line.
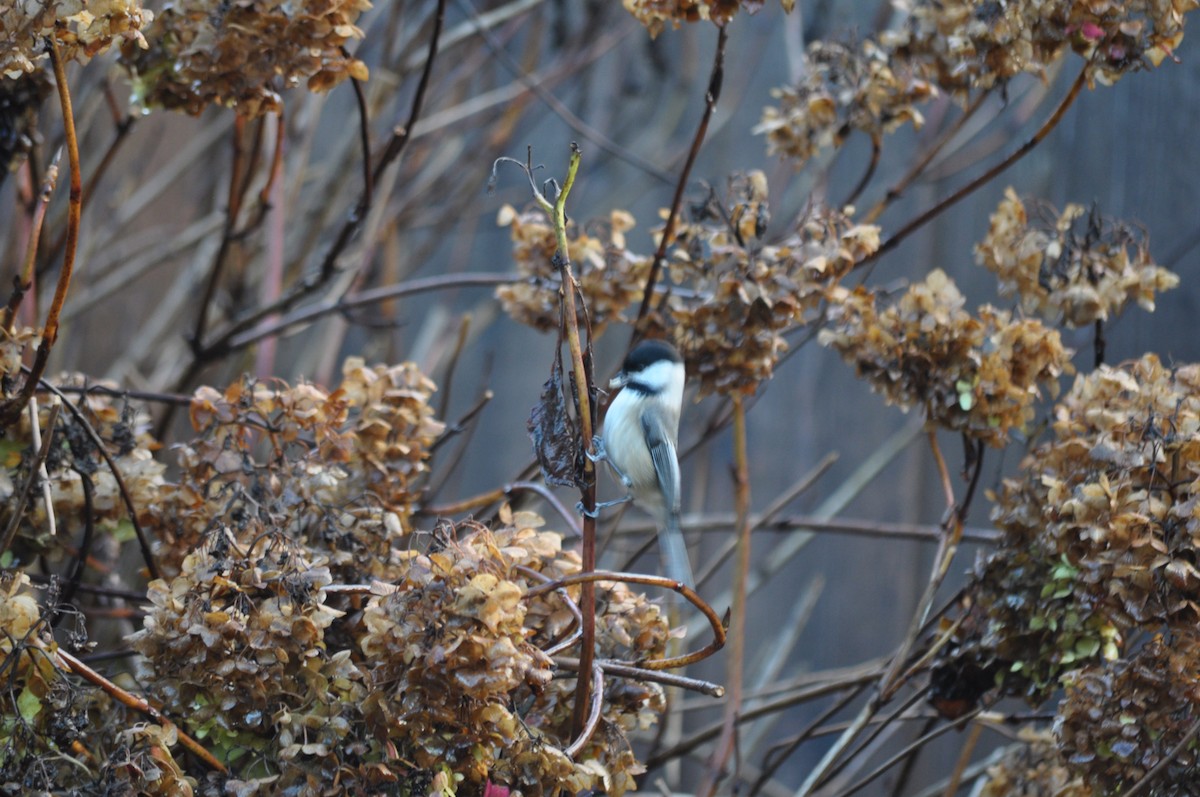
x=674, y=552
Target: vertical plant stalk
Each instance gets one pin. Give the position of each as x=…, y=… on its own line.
x=273, y=200
x=668, y=234
x=567, y=291
x=11, y=410
x=735, y=672
x=24, y=282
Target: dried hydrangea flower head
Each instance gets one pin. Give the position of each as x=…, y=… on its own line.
x=843, y=88
x=83, y=28
x=1117, y=722
x=242, y=55
x=655, y=14
x=610, y=277
x=1033, y=768
x=963, y=44
x=1074, y=266
x=733, y=296
x=980, y=375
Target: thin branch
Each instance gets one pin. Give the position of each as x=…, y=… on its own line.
x=126, y=497
x=935, y=211
x=668, y=233
x=593, y=715
x=735, y=669
x=556, y=106
x=23, y=282
x=500, y=494
x=867, y=175
x=715, y=623
x=233, y=208
x=68, y=662
x=41, y=452
x=12, y=408
x=642, y=674
x=897, y=190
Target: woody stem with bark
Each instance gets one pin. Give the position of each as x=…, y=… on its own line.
x=11, y=410
x=568, y=288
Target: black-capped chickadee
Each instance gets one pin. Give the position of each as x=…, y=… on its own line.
x=640, y=433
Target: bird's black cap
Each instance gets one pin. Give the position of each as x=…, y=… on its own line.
x=647, y=353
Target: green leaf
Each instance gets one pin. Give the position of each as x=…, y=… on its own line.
x=124, y=531
x=29, y=705
x=1086, y=648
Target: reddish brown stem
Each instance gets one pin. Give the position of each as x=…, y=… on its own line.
x=668, y=233
x=12, y=408
x=935, y=211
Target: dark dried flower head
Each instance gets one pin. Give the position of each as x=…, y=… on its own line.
x=1118, y=722
x=1033, y=767
x=843, y=89
x=20, y=100
x=977, y=374
x=1076, y=266
x=242, y=55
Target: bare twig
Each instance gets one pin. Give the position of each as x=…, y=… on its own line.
x=12, y=408
x=735, y=669
x=126, y=497
x=668, y=233
x=68, y=662
x=36, y=468
x=23, y=282
x=715, y=622
x=642, y=674
x=935, y=211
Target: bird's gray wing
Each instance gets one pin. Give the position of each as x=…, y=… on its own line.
x=666, y=467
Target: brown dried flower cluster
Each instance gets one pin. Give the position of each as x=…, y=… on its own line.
x=1118, y=722
x=335, y=469
x=416, y=692
x=964, y=44
x=610, y=277
x=83, y=29
x=242, y=55
x=977, y=374
x=1033, y=768
x=1115, y=491
x=235, y=643
x=1102, y=541
x=843, y=89
x=456, y=646
x=655, y=14
x=1075, y=266
x=81, y=482
x=735, y=297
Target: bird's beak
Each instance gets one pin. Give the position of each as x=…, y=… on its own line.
x=619, y=380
